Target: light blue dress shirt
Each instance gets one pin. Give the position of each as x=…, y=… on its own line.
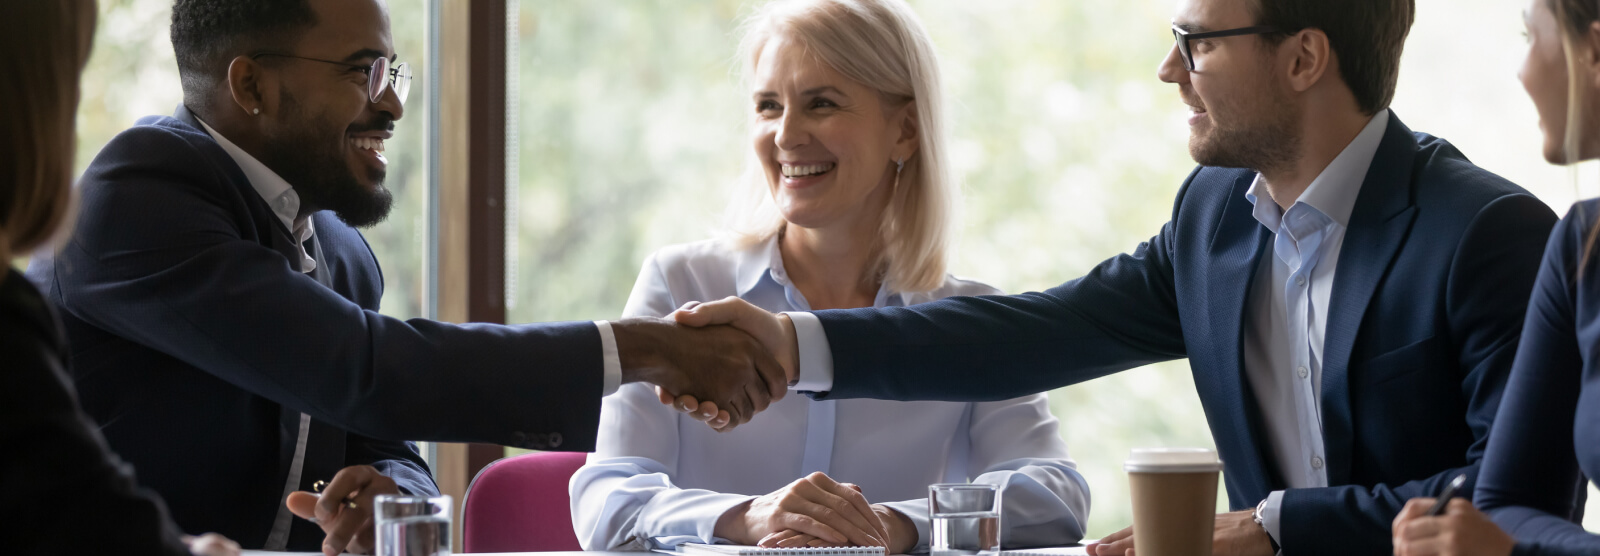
x=1287, y=315
x=658, y=479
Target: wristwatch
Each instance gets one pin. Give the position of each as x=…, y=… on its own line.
x=1256, y=515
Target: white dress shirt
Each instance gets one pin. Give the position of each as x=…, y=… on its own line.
x=658, y=478
x=1287, y=315
x=278, y=194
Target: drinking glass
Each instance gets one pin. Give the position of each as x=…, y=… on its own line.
x=412, y=525
x=966, y=519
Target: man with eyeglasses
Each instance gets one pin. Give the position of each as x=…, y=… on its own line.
x=1349, y=293
x=222, y=308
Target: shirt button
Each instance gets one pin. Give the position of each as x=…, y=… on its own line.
x=1299, y=280
x=1316, y=462
x=1302, y=372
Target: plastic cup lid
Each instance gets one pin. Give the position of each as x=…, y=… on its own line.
x=1172, y=460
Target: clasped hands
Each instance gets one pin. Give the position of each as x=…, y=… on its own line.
x=720, y=362
x=817, y=511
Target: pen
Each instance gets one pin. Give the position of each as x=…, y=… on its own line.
x=1449, y=492
x=348, y=502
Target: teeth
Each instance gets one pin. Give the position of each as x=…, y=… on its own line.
x=792, y=171
x=368, y=143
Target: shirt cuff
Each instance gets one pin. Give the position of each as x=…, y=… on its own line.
x=816, y=358
x=612, y=362
x=1270, y=516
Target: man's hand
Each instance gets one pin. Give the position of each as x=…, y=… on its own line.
x=720, y=364
x=1461, y=531
x=814, y=506
x=775, y=332
x=344, y=509
x=1236, y=534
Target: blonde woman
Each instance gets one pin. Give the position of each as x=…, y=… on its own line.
x=67, y=493
x=1545, y=445
x=852, y=208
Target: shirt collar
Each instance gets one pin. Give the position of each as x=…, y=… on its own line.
x=763, y=263
x=1334, y=191
x=278, y=194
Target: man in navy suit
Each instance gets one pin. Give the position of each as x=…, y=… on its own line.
x=222, y=307
x=1349, y=293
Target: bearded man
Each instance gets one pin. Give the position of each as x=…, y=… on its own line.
x=222, y=308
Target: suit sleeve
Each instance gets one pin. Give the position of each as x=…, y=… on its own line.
x=398, y=461
x=1530, y=483
x=1122, y=315
x=163, y=258
x=80, y=499
x=1496, y=262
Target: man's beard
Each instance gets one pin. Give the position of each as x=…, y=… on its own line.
x=1268, y=143
x=316, y=166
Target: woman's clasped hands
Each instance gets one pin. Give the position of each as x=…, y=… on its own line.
x=816, y=511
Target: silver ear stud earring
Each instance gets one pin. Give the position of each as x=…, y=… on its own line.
x=256, y=112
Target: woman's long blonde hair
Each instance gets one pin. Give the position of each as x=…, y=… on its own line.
x=44, y=44
x=883, y=45
x=1574, y=18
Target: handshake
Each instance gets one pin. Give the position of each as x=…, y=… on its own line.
x=721, y=362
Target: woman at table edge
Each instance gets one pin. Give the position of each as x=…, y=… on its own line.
x=73, y=496
x=1546, y=436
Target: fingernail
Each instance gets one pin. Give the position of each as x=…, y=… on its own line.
x=792, y=383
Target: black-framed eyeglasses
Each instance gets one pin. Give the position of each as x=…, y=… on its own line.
x=1183, y=37
x=380, y=76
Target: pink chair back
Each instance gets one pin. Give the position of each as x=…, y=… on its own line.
x=520, y=504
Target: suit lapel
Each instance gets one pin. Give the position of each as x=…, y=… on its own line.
x=1236, y=252
x=1379, y=225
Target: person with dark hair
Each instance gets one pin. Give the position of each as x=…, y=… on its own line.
x=222, y=308
x=1544, y=449
x=1349, y=293
x=58, y=464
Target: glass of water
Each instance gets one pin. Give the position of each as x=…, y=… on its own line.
x=412, y=525
x=966, y=519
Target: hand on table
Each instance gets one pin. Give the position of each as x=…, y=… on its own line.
x=211, y=544
x=349, y=527
x=1461, y=531
x=719, y=364
x=902, y=533
x=774, y=332
x=1236, y=534
x=815, y=506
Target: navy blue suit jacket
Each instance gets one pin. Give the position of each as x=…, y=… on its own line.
x=1426, y=311
x=196, y=343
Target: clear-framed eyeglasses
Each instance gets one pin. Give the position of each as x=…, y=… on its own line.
x=381, y=75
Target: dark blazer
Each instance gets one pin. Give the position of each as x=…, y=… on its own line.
x=65, y=492
x=1546, y=439
x=1426, y=309
x=197, y=343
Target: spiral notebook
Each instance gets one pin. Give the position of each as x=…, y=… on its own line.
x=744, y=550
